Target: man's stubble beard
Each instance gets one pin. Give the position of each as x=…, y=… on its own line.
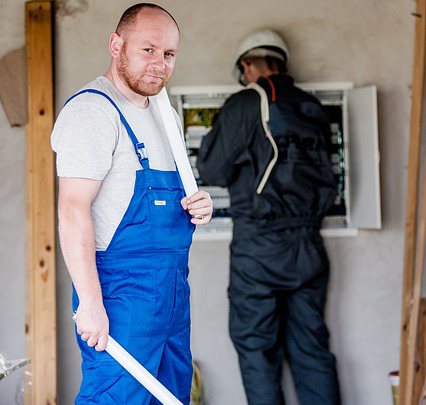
x=135, y=81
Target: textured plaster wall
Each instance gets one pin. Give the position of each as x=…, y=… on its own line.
x=12, y=215
x=367, y=42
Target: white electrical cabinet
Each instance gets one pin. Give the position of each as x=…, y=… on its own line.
x=352, y=113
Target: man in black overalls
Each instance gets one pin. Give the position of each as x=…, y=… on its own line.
x=280, y=186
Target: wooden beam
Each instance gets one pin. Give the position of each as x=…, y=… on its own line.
x=28, y=392
x=422, y=400
x=420, y=356
x=41, y=260
x=406, y=365
x=414, y=360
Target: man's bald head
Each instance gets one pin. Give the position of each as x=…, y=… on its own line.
x=129, y=16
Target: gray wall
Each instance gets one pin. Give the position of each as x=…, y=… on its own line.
x=332, y=40
x=12, y=215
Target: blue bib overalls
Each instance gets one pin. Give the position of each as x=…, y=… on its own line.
x=144, y=279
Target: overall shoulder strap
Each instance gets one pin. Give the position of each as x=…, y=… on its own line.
x=139, y=147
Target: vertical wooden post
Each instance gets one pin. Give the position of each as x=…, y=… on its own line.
x=420, y=360
x=422, y=400
x=28, y=380
x=415, y=365
x=407, y=326
x=41, y=260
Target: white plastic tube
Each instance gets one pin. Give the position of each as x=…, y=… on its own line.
x=118, y=353
x=141, y=373
x=176, y=143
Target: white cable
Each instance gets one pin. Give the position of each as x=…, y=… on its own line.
x=264, y=114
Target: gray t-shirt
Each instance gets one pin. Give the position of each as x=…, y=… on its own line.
x=91, y=142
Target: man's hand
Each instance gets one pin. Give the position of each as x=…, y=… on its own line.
x=93, y=325
x=199, y=206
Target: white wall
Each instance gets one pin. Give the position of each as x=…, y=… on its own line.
x=333, y=40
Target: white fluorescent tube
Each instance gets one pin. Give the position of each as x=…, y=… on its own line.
x=141, y=373
x=176, y=143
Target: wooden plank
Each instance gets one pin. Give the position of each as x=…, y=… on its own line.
x=406, y=372
x=420, y=357
x=414, y=359
x=28, y=274
x=422, y=400
x=41, y=209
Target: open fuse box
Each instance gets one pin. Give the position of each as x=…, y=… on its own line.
x=354, y=153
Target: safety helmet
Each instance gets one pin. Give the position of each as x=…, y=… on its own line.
x=260, y=43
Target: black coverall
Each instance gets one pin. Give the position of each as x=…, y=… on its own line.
x=279, y=267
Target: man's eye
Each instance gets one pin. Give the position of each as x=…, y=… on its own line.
x=169, y=55
x=149, y=50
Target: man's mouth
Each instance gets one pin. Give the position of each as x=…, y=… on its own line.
x=155, y=77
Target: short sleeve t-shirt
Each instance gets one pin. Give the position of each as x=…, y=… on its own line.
x=91, y=142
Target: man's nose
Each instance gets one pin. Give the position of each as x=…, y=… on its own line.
x=158, y=62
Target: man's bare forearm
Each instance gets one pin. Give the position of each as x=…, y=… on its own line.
x=78, y=247
x=77, y=239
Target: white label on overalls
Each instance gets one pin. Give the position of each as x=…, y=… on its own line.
x=160, y=202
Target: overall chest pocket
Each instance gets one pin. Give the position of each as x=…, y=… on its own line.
x=164, y=206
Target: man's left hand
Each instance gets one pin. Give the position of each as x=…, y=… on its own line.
x=199, y=206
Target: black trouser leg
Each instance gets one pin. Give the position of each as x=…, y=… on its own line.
x=254, y=329
x=277, y=295
x=306, y=339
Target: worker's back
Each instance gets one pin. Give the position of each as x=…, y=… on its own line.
x=236, y=153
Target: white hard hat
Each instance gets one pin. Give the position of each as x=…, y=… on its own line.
x=261, y=43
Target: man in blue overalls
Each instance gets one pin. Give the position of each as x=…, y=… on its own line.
x=124, y=224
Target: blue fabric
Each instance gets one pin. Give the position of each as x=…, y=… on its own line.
x=144, y=281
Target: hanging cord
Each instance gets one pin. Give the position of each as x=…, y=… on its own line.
x=264, y=114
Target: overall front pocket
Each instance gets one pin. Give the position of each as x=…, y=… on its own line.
x=164, y=206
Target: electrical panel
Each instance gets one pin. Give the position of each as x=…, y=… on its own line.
x=352, y=114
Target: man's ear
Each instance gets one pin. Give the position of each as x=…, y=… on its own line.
x=250, y=70
x=245, y=64
x=115, y=45
x=246, y=67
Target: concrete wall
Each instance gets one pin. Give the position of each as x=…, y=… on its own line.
x=332, y=40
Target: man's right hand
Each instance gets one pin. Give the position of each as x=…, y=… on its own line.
x=93, y=324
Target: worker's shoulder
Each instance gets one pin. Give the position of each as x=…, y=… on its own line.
x=246, y=95
x=245, y=99
x=90, y=103
x=99, y=93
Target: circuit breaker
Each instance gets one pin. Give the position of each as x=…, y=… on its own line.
x=354, y=151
